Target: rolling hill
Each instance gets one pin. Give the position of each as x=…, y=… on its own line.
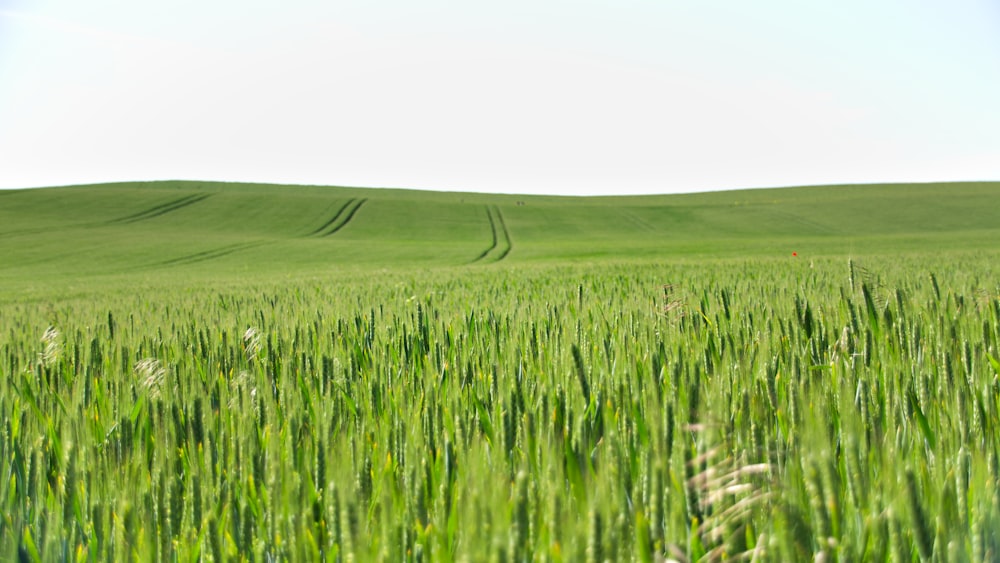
x=178, y=229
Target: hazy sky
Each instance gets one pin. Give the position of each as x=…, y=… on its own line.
x=525, y=96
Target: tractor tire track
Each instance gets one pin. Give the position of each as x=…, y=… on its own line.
x=493, y=231
x=207, y=255
x=25, y=232
x=333, y=219
x=161, y=209
x=816, y=226
x=347, y=219
x=154, y=211
x=501, y=237
x=508, y=243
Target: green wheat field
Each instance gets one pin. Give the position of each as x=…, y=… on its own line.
x=231, y=372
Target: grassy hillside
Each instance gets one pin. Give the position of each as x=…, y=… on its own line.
x=164, y=230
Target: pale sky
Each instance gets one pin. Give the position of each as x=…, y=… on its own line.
x=518, y=96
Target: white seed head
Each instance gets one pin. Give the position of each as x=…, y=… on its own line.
x=252, y=343
x=151, y=375
x=53, y=347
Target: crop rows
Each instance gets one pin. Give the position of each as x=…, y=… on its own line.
x=780, y=410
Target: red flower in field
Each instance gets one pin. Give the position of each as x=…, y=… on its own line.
x=795, y=253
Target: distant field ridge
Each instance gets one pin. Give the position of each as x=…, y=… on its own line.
x=219, y=227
